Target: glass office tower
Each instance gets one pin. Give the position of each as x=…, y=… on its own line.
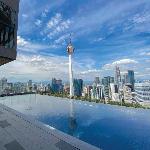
x=131, y=79
x=8, y=30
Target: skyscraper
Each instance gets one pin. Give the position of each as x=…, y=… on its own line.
x=56, y=85
x=131, y=79
x=97, y=91
x=125, y=78
x=97, y=80
x=78, y=87
x=106, y=83
x=117, y=75
x=29, y=85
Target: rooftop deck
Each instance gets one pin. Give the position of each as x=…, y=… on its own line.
x=18, y=132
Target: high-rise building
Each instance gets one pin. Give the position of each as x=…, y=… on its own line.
x=29, y=86
x=78, y=87
x=66, y=88
x=56, y=86
x=128, y=78
x=87, y=91
x=125, y=78
x=117, y=76
x=8, y=30
x=106, y=83
x=127, y=92
x=142, y=91
x=131, y=79
x=19, y=87
x=114, y=93
x=97, y=80
x=3, y=85
x=97, y=91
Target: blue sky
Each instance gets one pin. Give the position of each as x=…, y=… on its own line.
x=104, y=33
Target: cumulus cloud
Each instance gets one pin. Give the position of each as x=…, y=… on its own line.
x=28, y=46
x=119, y=62
x=21, y=41
x=125, y=61
x=36, y=67
x=39, y=67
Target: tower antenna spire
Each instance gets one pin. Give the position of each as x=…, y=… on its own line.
x=70, y=39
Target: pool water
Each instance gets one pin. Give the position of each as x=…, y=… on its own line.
x=105, y=126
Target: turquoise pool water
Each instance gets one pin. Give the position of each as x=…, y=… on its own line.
x=105, y=126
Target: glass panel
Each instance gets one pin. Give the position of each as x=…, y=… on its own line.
x=7, y=26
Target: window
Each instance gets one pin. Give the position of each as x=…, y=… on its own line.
x=7, y=26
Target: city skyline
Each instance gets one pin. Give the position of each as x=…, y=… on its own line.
x=119, y=37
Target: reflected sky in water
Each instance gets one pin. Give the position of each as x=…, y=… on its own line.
x=105, y=126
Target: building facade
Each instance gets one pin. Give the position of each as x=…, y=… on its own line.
x=8, y=30
x=131, y=79
x=142, y=91
x=97, y=91
x=106, y=84
x=78, y=87
x=114, y=92
x=3, y=85
x=56, y=86
x=127, y=92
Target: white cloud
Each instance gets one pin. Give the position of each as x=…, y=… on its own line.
x=145, y=53
x=38, y=22
x=36, y=67
x=54, y=21
x=119, y=62
x=39, y=67
x=147, y=69
x=87, y=72
x=44, y=13
x=25, y=45
x=141, y=18
x=125, y=61
x=56, y=25
x=99, y=39
x=62, y=39
x=24, y=15
x=21, y=41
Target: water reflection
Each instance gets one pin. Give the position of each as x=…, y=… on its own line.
x=105, y=126
x=72, y=119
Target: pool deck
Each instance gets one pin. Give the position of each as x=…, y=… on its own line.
x=19, y=132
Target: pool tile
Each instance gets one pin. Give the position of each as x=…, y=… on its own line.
x=14, y=145
x=65, y=146
x=4, y=124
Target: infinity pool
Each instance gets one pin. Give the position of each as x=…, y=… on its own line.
x=105, y=126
